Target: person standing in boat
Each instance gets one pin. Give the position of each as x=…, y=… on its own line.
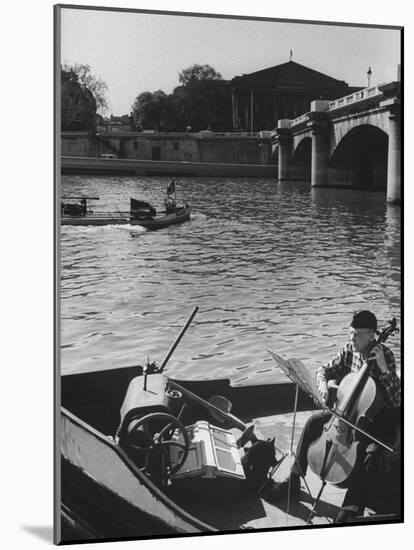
x=361, y=348
x=170, y=199
x=84, y=206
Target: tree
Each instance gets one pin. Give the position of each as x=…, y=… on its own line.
x=91, y=82
x=78, y=105
x=152, y=110
x=198, y=72
x=202, y=101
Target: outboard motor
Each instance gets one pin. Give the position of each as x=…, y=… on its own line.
x=146, y=396
x=148, y=426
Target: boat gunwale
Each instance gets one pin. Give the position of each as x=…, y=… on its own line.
x=113, y=218
x=144, y=480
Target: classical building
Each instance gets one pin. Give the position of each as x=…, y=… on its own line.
x=261, y=98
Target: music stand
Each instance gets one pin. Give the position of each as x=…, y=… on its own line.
x=296, y=371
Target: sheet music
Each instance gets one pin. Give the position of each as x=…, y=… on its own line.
x=296, y=371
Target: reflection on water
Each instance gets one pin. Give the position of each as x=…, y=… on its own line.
x=270, y=264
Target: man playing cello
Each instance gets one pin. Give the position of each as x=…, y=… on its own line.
x=361, y=349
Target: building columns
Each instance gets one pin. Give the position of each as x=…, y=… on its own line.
x=233, y=109
x=394, y=160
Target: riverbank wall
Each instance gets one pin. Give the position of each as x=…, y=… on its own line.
x=204, y=146
x=133, y=167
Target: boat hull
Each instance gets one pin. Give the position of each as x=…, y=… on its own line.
x=104, y=495
x=96, y=472
x=179, y=216
x=93, y=460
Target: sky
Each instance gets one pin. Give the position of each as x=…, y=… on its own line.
x=137, y=52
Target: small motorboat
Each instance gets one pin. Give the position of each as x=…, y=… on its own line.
x=75, y=211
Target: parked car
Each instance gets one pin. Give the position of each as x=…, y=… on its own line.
x=108, y=156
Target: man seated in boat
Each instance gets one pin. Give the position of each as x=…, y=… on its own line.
x=361, y=349
x=170, y=205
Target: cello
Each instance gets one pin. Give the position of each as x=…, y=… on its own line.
x=334, y=456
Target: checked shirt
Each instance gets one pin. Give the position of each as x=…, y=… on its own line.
x=347, y=360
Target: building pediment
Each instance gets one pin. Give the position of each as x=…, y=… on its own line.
x=287, y=75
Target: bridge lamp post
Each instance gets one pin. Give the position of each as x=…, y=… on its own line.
x=369, y=73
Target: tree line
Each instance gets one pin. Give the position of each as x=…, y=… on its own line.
x=201, y=101
x=83, y=98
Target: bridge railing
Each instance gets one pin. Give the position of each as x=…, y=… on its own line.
x=299, y=120
x=361, y=95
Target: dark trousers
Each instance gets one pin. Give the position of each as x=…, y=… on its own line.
x=383, y=428
x=311, y=431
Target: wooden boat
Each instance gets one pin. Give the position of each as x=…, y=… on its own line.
x=146, y=455
x=178, y=215
x=141, y=214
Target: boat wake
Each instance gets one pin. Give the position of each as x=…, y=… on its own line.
x=99, y=228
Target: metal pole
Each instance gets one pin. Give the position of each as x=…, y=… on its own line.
x=236, y=422
x=294, y=418
x=291, y=450
x=369, y=73
x=177, y=340
x=315, y=504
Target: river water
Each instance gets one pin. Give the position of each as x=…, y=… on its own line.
x=270, y=264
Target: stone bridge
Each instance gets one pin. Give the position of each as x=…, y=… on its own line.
x=354, y=141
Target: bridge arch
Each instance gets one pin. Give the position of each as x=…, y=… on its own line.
x=359, y=159
x=344, y=126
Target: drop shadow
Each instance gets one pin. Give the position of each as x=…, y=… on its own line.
x=43, y=532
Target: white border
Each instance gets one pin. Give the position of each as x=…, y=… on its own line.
x=27, y=261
